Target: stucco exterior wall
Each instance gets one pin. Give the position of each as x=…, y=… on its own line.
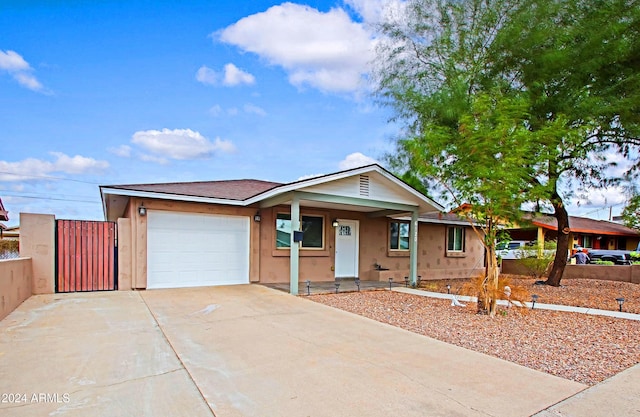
x=37, y=241
x=319, y=265
x=16, y=278
x=271, y=265
x=124, y=254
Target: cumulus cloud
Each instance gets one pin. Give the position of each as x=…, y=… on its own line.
x=20, y=70
x=235, y=76
x=207, y=76
x=375, y=11
x=35, y=169
x=356, y=160
x=327, y=51
x=231, y=76
x=179, y=144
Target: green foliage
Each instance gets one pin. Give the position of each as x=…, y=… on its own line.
x=536, y=267
x=631, y=213
x=508, y=101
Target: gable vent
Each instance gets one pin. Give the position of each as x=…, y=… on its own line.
x=364, y=185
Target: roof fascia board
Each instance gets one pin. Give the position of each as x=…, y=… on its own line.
x=330, y=198
x=176, y=197
x=276, y=200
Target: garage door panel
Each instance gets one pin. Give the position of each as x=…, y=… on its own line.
x=188, y=249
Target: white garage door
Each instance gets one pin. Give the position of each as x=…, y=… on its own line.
x=194, y=250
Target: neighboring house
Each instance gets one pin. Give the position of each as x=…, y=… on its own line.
x=4, y=217
x=584, y=232
x=359, y=223
x=12, y=232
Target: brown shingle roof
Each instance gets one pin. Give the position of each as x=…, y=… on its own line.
x=229, y=190
x=587, y=226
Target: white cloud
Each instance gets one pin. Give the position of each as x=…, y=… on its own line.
x=356, y=160
x=207, y=76
x=235, y=76
x=231, y=76
x=20, y=70
x=375, y=11
x=12, y=61
x=77, y=164
x=33, y=169
x=253, y=109
x=123, y=151
x=179, y=144
x=327, y=51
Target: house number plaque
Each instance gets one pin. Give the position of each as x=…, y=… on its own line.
x=344, y=231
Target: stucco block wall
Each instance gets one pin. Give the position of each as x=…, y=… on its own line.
x=124, y=254
x=16, y=278
x=374, y=236
x=37, y=241
x=622, y=273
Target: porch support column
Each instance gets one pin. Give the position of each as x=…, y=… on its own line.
x=295, y=246
x=413, y=249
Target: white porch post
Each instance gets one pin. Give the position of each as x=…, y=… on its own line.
x=413, y=249
x=295, y=246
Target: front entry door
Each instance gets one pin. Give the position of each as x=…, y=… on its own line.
x=347, y=242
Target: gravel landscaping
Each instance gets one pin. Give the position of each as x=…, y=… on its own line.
x=583, y=348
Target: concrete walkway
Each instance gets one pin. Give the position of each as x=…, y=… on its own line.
x=245, y=351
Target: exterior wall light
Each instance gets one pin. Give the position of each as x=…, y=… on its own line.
x=335, y=223
x=142, y=210
x=257, y=217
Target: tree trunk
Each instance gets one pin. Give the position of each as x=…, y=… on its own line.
x=560, y=261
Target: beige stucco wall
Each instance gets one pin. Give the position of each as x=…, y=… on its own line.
x=124, y=254
x=37, y=241
x=16, y=278
x=138, y=234
x=271, y=265
x=318, y=265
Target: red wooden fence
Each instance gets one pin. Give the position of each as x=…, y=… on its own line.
x=86, y=255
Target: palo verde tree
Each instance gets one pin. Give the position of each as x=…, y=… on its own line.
x=574, y=63
x=475, y=159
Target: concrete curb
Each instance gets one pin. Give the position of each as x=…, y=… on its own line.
x=539, y=306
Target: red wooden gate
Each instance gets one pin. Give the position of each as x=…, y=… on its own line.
x=86, y=256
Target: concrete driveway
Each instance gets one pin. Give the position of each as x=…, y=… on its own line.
x=244, y=351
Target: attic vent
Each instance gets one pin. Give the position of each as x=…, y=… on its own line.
x=364, y=185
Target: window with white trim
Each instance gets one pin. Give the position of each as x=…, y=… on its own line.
x=312, y=228
x=455, y=239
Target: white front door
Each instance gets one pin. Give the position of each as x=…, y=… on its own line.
x=347, y=242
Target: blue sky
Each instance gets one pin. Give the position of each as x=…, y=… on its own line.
x=117, y=92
